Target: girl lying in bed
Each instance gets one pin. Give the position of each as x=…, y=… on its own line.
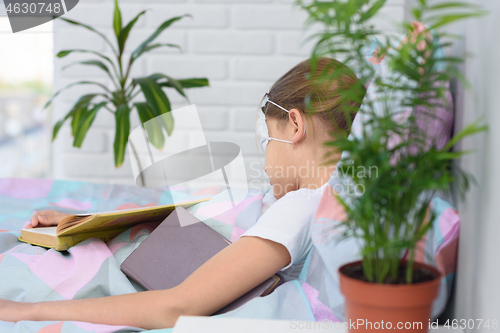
x=279, y=241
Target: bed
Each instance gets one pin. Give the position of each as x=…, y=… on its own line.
x=92, y=268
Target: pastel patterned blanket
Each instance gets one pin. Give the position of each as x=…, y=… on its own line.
x=92, y=268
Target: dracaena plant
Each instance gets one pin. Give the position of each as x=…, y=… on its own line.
x=388, y=211
x=118, y=100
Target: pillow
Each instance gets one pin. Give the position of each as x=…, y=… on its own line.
x=319, y=278
x=439, y=248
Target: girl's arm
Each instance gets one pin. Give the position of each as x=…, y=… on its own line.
x=229, y=274
x=418, y=28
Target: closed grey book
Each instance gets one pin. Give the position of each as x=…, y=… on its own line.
x=172, y=252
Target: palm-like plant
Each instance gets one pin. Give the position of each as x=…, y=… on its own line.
x=119, y=99
x=389, y=212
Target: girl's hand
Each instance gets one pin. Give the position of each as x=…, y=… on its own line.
x=46, y=218
x=418, y=29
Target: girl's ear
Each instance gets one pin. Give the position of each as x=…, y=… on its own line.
x=297, y=125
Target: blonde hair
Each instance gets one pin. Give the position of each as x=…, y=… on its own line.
x=330, y=90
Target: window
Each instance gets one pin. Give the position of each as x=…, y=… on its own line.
x=26, y=74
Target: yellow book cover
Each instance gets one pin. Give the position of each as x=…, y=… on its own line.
x=106, y=225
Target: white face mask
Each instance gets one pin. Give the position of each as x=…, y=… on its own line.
x=262, y=130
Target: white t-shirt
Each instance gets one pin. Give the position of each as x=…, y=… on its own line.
x=288, y=221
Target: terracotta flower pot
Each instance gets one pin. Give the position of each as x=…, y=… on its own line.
x=374, y=307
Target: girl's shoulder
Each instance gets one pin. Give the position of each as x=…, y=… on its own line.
x=305, y=193
x=305, y=199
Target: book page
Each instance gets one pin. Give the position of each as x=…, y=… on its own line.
x=120, y=218
x=42, y=230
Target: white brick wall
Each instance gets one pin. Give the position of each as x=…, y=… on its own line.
x=241, y=46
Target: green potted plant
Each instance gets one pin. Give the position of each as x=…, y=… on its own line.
x=389, y=213
x=119, y=99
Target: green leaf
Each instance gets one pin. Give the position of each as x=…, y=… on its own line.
x=154, y=95
x=140, y=49
x=443, y=20
x=74, y=84
x=417, y=13
x=153, y=129
x=155, y=46
x=122, y=38
x=188, y=83
x=466, y=131
x=64, y=53
x=448, y=5
x=81, y=108
x=57, y=127
x=91, y=29
x=173, y=82
x=453, y=155
x=117, y=20
x=168, y=122
x=97, y=63
x=122, y=131
x=372, y=11
x=157, y=101
x=77, y=117
x=82, y=102
x=85, y=123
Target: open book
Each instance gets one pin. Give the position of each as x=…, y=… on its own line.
x=106, y=225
